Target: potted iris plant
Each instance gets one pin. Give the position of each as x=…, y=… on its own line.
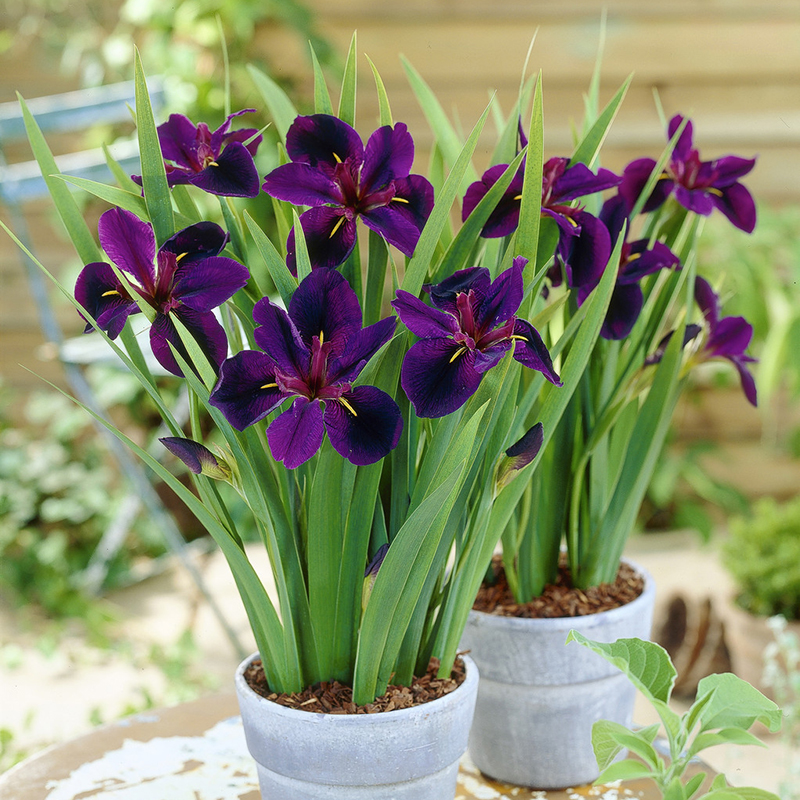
x=564, y=530
x=373, y=451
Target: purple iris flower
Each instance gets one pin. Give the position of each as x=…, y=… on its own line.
x=219, y=163
x=312, y=354
x=333, y=172
x=185, y=279
x=636, y=261
x=583, y=245
x=700, y=186
x=471, y=327
x=728, y=337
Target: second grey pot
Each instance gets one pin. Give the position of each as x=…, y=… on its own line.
x=539, y=697
x=407, y=754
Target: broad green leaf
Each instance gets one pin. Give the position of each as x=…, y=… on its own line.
x=420, y=263
x=347, y=98
x=694, y=783
x=300, y=250
x=120, y=175
x=735, y=704
x=154, y=174
x=281, y=108
x=383, y=97
x=675, y=790
x=740, y=793
x=646, y=664
x=322, y=98
x=464, y=241
x=724, y=736
x=589, y=148
x=397, y=588
x=66, y=205
x=627, y=770
x=526, y=239
x=608, y=738
x=284, y=281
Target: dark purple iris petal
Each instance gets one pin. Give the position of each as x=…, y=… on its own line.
x=530, y=351
x=438, y=376
x=247, y=390
x=503, y=296
x=360, y=349
x=504, y=218
x=302, y=185
x=421, y=319
x=728, y=337
x=233, y=173
x=365, y=429
x=205, y=329
x=585, y=256
x=297, y=433
x=209, y=283
x=729, y=169
x=394, y=225
x=475, y=279
x=623, y=311
x=279, y=338
x=578, y=181
x=737, y=204
x=100, y=292
x=223, y=135
x=130, y=243
x=697, y=200
x=683, y=147
x=178, y=140
x=634, y=178
x=323, y=140
x=197, y=242
x=490, y=356
x=330, y=237
x=389, y=154
x=328, y=308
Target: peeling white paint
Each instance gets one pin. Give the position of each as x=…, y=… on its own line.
x=479, y=790
x=213, y=766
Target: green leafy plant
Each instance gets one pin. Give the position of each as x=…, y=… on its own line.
x=725, y=709
x=58, y=494
x=762, y=554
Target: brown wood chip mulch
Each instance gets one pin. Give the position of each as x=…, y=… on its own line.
x=337, y=698
x=559, y=599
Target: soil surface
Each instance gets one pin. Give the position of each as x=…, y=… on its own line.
x=559, y=599
x=337, y=698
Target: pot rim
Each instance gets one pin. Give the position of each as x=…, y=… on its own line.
x=555, y=624
x=469, y=685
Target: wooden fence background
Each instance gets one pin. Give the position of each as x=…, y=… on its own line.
x=732, y=65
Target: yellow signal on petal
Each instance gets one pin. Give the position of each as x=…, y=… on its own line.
x=337, y=226
x=348, y=406
x=109, y=293
x=400, y=200
x=457, y=353
x=269, y=386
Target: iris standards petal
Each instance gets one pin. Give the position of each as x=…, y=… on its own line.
x=130, y=243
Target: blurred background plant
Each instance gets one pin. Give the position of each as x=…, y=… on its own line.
x=782, y=675
x=181, y=41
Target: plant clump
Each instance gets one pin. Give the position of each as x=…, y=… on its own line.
x=763, y=555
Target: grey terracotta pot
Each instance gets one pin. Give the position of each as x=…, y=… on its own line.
x=539, y=697
x=407, y=754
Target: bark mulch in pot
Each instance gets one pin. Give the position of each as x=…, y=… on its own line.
x=560, y=599
x=337, y=698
